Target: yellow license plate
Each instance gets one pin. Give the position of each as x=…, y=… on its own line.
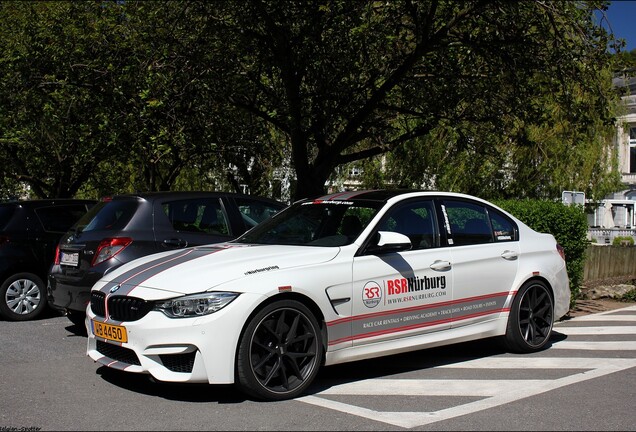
x=111, y=332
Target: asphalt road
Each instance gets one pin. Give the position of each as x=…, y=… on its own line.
x=586, y=380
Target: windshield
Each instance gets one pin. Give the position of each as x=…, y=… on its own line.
x=314, y=223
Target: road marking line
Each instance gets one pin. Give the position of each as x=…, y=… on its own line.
x=599, y=317
x=595, y=346
x=427, y=387
x=616, y=330
x=511, y=394
x=494, y=392
x=524, y=362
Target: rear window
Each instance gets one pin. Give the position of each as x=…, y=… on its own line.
x=60, y=218
x=109, y=215
x=6, y=212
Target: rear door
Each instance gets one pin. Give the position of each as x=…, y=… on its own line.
x=484, y=250
x=187, y=222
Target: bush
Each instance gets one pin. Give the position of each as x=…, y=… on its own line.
x=629, y=296
x=623, y=241
x=568, y=225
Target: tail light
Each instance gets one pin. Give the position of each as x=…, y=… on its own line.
x=109, y=247
x=57, y=255
x=561, y=251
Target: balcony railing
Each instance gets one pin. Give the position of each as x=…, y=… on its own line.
x=629, y=178
x=607, y=235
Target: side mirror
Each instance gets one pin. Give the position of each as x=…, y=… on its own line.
x=387, y=241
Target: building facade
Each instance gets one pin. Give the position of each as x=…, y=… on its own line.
x=616, y=216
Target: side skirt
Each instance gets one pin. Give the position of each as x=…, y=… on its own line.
x=413, y=343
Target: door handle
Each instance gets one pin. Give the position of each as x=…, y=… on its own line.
x=178, y=243
x=510, y=255
x=440, y=265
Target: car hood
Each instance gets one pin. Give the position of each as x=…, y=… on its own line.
x=202, y=268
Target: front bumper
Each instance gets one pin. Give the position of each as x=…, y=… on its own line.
x=193, y=350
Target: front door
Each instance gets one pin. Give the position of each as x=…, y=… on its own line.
x=400, y=294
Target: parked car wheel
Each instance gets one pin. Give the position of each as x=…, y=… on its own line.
x=531, y=318
x=23, y=297
x=280, y=352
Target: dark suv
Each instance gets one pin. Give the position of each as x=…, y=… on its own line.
x=29, y=233
x=126, y=227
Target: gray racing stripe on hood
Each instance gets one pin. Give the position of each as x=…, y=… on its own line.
x=127, y=281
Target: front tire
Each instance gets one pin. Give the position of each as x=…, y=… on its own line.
x=531, y=318
x=280, y=352
x=22, y=297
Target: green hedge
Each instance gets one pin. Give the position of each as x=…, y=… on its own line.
x=623, y=241
x=568, y=225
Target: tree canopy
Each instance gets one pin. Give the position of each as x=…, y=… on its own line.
x=496, y=97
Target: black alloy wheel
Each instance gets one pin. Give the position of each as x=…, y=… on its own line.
x=280, y=352
x=531, y=318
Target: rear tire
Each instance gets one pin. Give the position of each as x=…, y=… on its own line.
x=531, y=318
x=280, y=352
x=22, y=297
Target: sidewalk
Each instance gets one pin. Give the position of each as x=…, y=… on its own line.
x=586, y=307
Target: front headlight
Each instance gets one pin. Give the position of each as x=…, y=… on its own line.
x=195, y=305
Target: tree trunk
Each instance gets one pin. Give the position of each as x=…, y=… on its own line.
x=309, y=183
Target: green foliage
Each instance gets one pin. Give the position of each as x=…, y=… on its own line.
x=100, y=97
x=623, y=241
x=347, y=81
x=568, y=225
x=547, y=149
x=629, y=296
x=626, y=60
x=59, y=104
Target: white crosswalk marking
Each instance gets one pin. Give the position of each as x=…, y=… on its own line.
x=613, y=330
x=428, y=387
x=595, y=346
x=608, y=318
x=625, y=314
x=542, y=363
x=493, y=392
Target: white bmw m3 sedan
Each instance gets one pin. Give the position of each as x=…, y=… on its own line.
x=344, y=277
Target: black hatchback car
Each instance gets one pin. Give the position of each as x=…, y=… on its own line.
x=29, y=233
x=125, y=227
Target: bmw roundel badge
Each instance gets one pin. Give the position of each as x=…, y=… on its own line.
x=115, y=288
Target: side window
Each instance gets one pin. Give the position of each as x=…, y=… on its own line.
x=254, y=212
x=469, y=223
x=354, y=220
x=503, y=228
x=60, y=218
x=199, y=216
x=416, y=220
